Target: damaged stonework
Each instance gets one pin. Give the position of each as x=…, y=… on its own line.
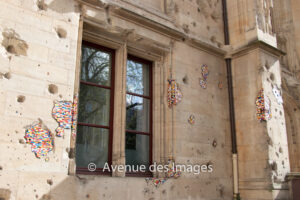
x=13, y=43
x=40, y=138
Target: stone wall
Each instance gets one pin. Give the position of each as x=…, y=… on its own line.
x=39, y=64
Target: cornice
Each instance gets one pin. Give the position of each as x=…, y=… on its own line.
x=159, y=23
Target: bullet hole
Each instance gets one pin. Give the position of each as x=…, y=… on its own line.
x=11, y=49
x=280, y=113
x=268, y=80
x=275, y=109
x=185, y=28
x=209, y=163
x=269, y=141
x=1, y=168
x=69, y=20
x=49, y=181
x=214, y=144
x=208, y=28
x=295, y=109
x=41, y=5
x=163, y=192
x=221, y=190
x=61, y=33
x=194, y=24
x=53, y=89
x=277, y=154
x=4, y=194
x=273, y=166
x=280, y=150
x=13, y=44
x=199, y=10
x=213, y=39
x=87, y=196
x=21, y=99
x=7, y=75
x=34, y=190
x=183, y=39
x=172, y=187
x=46, y=197
x=71, y=153
x=21, y=141
x=36, y=196
x=282, y=163
x=60, y=96
x=272, y=77
x=185, y=79
x=215, y=16
x=48, y=73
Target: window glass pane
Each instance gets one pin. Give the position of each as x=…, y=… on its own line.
x=91, y=146
x=137, y=149
x=137, y=113
x=94, y=105
x=137, y=78
x=95, y=66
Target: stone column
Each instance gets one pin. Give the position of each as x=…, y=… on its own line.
x=262, y=145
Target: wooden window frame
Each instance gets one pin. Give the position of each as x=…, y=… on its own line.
x=150, y=98
x=84, y=170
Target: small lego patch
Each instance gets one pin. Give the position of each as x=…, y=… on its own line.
x=263, y=111
x=191, y=119
x=204, y=72
x=174, y=93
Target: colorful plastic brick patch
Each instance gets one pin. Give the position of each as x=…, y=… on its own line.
x=62, y=113
x=65, y=113
x=263, y=111
x=40, y=139
x=174, y=93
x=171, y=173
x=156, y=181
x=74, y=115
x=204, y=72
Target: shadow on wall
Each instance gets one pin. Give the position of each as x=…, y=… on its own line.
x=283, y=195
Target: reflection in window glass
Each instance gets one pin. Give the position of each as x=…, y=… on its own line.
x=91, y=146
x=138, y=101
x=94, y=105
x=140, y=154
x=95, y=66
x=137, y=78
x=137, y=113
x=94, y=109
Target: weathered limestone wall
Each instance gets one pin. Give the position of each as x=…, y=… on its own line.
x=34, y=56
x=40, y=67
x=262, y=146
x=286, y=28
x=251, y=20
